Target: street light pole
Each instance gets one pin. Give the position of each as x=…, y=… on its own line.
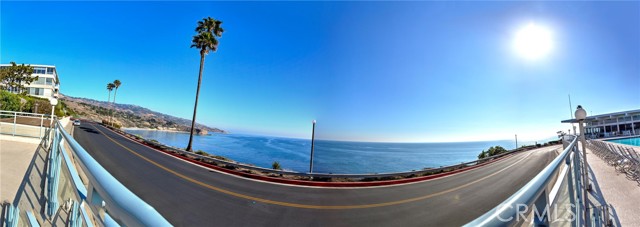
x=54, y=102
x=516, y=141
x=313, y=132
x=581, y=114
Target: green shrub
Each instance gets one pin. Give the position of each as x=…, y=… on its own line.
x=9, y=101
x=482, y=155
x=492, y=151
x=276, y=165
x=200, y=152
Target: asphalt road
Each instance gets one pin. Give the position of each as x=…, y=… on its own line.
x=189, y=195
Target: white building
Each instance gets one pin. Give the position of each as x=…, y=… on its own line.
x=624, y=123
x=47, y=85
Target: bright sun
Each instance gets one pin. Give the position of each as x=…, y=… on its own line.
x=533, y=42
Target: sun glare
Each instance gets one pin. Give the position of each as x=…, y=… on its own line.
x=533, y=41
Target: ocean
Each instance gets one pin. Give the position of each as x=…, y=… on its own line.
x=329, y=156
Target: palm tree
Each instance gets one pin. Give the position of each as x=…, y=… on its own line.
x=110, y=87
x=206, y=40
x=116, y=84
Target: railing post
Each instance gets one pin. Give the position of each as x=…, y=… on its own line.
x=74, y=217
x=13, y=216
x=41, y=124
x=540, y=217
x=15, y=116
x=578, y=179
x=54, y=173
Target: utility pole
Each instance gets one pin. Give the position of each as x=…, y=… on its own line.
x=313, y=132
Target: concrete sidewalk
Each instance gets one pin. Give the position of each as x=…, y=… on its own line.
x=623, y=194
x=15, y=157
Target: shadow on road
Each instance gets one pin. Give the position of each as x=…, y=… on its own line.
x=89, y=130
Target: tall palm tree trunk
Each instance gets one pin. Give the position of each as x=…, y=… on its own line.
x=108, y=102
x=113, y=118
x=195, y=107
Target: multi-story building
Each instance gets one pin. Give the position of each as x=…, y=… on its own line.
x=47, y=85
x=624, y=123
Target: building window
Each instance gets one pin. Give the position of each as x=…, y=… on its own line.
x=49, y=81
x=41, y=80
x=49, y=70
x=36, y=91
x=39, y=70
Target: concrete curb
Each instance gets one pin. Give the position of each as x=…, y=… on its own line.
x=316, y=183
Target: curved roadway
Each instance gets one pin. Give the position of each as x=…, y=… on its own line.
x=190, y=195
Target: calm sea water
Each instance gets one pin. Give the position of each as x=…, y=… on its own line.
x=329, y=156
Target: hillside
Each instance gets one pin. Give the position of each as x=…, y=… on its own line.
x=131, y=116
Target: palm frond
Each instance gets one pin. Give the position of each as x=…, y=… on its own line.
x=208, y=30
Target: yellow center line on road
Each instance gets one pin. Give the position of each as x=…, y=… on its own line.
x=307, y=206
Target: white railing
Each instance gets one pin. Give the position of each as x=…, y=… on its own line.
x=554, y=197
x=24, y=124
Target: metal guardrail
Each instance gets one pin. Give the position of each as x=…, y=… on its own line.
x=556, y=184
x=234, y=164
x=23, y=124
x=107, y=198
x=78, y=191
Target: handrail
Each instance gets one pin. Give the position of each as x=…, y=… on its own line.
x=24, y=113
x=120, y=203
x=5, y=115
x=526, y=195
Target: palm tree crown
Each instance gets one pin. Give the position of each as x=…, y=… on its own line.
x=209, y=30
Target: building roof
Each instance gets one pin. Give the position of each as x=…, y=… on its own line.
x=606, y=116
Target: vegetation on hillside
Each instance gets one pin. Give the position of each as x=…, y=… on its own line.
x=129, y=116
x=500, y=150
x=30, y=104
x=492, y=151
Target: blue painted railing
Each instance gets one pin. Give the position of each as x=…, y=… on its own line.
x=98, y=198
x=110, y=202
x=537, y=202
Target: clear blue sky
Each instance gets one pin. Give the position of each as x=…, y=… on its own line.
x=371, y=71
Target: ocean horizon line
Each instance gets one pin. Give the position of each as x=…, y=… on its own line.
x=543, y=140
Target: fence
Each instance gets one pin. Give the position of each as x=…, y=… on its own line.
x=551, y=197
x=23, y=124
x=78, y=190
